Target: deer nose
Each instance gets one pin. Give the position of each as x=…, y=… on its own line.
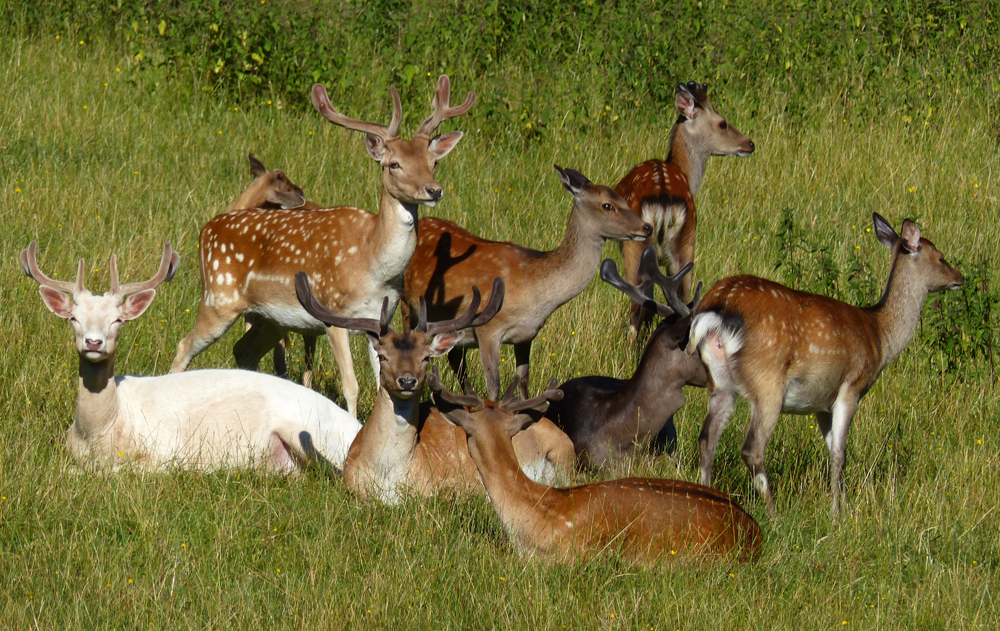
x=435, y=193
x=752, y=146
x=92, y=344
x=407, y=382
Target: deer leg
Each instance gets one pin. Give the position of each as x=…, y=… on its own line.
x=765, y=412
x=631, y=254
x=280, y=354
x=843, y=413
x=522, y=353
x=489, y=353
x=666, y=439
x=340, y=343
x=209, y=326
x=456, y=359
x=309, y=344
x=720, y=408
x=373, y=359
x=256, y=343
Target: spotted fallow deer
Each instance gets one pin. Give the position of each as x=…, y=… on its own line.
x=449, y=261
x=798, y=353
x=203, y=419
x=353, y=258
x=662, y=191
x=647, y=519
x=608, y=418
x=409, y=448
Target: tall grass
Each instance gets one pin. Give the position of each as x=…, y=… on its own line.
x=92, y=163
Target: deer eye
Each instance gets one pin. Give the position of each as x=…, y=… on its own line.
x=723, y=125
x=394, y=166
x=606, y=207
x=281, y=178
x=119, y=321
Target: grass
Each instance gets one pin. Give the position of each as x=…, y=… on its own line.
x=92, y=161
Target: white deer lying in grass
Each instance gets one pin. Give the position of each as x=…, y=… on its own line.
x=203, y=419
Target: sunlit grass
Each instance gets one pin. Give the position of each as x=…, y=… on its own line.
x=92, y=163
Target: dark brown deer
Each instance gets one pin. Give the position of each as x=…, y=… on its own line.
x=646, y=519
x=798, y=353
x=608, y=418
x=662, y=191
x=409, y=448
x=449, y=261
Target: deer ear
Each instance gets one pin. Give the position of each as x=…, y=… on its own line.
x=886, y=235
x=910, y=234
x=442, y=343
x=136, y=304
x=686, y=104
x=57, y=302
x=523, y=420
x=458, y=416
x=443, y=144
x=257, y=167
x=375, y=146
x=572, y=180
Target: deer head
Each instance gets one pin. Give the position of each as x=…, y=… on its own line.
x=278, y=190
x=603, y=210
x=706, y=129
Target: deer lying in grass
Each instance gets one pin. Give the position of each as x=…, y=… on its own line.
x=406, y=447
x=662, y=192
x=645, y=518
x=271, y=190
x=607, y=418
x=354, y=258
x=798, y=353
x=203, y=419
x=449, y=261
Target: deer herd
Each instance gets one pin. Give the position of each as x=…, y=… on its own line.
x=287, y=265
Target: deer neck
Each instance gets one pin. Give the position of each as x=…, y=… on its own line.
x=655, y=386
x=688, y=156
x=569, y=268
x=391, y=434
x=394, y=239
x=515, y=497
x=250, y=198
x=897, y=314
x=97, y=398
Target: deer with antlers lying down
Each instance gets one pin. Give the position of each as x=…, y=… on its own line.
x=203, y=419
x=409, y=448
x=608, y=418
x=645, y=518
x=798, y=353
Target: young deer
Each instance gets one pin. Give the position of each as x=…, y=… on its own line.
x=798, y=353
x=662, y=192
x=449, y=261
x=645, y=518
x=203, y=419
x=354, y=258
x=607, y=418
x=408, y=448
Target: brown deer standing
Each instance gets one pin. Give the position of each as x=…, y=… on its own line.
x=409, y=448
x=662, y=192
x=646, y=518
x=449, y=261
x=353, y=258
x=798, y=353
x=607, y=418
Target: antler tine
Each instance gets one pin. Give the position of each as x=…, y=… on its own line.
x=493, y=306
x=697, y=296
x=329, y=318
x=472, y=401
x=321, y=101
x=649, y=268
x=422, y=315
x=508, y=396
x=636, y=293
x=442, y=111
x=461, y=322
x=552, y=393
x=30, y=267
x=113, y=270
x=169, y=263
x=385, y=318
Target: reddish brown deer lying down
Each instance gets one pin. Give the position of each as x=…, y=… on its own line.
x=608, y=418
x=798, y=353
x=408, y=448
x=353, y=257
x=271, y=190
x=645, y=518
x=662, y=192
x=449, y=261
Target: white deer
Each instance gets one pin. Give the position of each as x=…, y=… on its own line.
x=203, y=419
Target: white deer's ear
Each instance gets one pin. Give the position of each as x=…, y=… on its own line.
x=444, y=342
x=686, y=104
x=57, y=302
x=136, y=304
x=910, y=234
x=443, y=144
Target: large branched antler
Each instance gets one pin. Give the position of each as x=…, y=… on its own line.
x=442, y=109
x=169, y=263
x=512, y=405
x=321, y=101
x=30, y=267
x=649, y=268
x=639, y=294
x=313, y=307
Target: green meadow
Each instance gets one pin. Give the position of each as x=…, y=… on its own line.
x=98, y=158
